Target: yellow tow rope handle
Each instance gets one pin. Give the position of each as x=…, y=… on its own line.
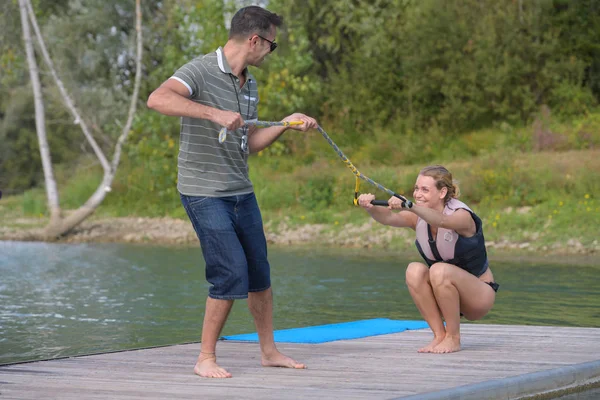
x=356, y=191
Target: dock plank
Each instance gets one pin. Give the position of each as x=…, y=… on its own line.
x=378, y=367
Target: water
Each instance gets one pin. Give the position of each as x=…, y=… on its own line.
x=65, y=300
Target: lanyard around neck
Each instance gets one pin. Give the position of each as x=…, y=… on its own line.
x=237, y=97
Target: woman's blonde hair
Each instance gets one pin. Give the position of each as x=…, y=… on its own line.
x=443, y=179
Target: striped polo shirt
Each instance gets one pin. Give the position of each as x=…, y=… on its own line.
x=205, y=166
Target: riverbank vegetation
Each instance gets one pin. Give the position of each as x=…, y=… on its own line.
x=542, y=201
x=504, y=94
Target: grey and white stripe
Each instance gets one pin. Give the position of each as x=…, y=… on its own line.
x=205, y=166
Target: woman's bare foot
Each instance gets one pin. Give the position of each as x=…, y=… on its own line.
x=450, y=344
x=280, y=360
x=427, y=349
x=207, y=367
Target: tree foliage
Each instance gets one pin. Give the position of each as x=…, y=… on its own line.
x=363, y=66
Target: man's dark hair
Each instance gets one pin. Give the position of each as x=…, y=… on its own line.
x=253, y=20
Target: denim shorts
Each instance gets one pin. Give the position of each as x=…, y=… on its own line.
x=230, y=230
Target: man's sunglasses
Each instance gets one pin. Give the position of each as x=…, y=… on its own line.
x=272, y=44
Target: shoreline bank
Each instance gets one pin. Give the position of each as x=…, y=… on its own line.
x=179, y=232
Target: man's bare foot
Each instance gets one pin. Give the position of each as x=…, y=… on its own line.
x=450, y=344
x=207, y=367
x=280, y=360
x=427, y=349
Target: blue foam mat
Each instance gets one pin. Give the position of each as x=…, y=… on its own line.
x=332, y=332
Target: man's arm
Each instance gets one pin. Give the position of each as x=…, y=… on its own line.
x=261, y=138
x=173, y=98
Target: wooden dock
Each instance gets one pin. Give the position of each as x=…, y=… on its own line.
x=497, y=361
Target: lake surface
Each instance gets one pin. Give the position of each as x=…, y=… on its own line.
x=64, y=300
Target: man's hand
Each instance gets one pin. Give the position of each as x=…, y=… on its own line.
x=229, y=119
x=308, y=122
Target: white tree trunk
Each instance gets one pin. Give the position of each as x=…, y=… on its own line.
x=40, y=119
x=136, y=86
x=63, y=226
x=520, y=10
x=63, y=91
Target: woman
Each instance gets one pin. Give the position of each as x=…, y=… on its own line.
x=456, y=279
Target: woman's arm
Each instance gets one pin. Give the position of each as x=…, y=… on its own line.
x=460, y=221
x=385, y=216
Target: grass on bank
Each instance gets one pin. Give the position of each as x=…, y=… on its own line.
x=538, y=200
x=534, y=186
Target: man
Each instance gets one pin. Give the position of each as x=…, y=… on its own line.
x=209, y=93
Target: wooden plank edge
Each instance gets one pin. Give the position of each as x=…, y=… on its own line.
x=527, y=386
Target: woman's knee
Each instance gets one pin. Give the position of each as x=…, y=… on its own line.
x=416, y=274
x=440, y=274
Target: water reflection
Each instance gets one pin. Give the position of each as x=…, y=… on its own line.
x=62, y=300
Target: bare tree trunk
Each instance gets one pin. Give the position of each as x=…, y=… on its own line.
x=61, y=87
x=96, y=199
x=520, y=10
x=136, y=87
x=63, y=226
x=40, y=118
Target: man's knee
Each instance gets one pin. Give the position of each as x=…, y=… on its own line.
x=228, y=287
